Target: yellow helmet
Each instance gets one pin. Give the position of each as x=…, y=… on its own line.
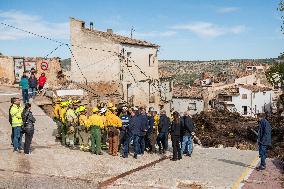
x=58, y=100
x=62, y=104
x=76, y=101
x=82, y=108
x=110, y=105
x=95, y=109
x=113, y=108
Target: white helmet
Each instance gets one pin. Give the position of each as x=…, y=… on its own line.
x=103, y=110
x=124, y=108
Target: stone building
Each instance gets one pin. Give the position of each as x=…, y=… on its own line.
x=117, y=68
x=247, y=100
x=12, y=68
x=187, y=98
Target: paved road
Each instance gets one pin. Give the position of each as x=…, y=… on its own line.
x=54, y=166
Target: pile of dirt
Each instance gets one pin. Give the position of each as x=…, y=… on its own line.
x=223, y=128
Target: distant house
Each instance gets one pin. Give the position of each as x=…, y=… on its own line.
x=248, y=100
x=118, y=68
x=187, y=98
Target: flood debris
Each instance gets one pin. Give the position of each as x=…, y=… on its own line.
x=224, y=128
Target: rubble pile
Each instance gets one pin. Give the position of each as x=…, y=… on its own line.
x=223, y=128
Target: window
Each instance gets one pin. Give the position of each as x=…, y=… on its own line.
x=151, y=60
x=128, y=59
x=245, y=110
x=244, y=96
x=192, y=106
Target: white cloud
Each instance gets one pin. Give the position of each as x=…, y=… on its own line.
x=228, y=9
x=31, y=23
x=209, y=30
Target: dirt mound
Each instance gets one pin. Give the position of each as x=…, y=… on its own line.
x=228, y=129
x=224, y=128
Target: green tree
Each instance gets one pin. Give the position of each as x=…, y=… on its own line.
x=275, y=74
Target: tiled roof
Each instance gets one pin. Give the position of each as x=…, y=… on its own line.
x=121, y=39
x=184, y=91
x=255, y=88
x=232, y=90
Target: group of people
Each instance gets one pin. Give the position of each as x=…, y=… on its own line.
x=31, y=85
x=93, y=128
x=22, y=122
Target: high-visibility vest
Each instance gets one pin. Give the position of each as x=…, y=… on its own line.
x=16, y=114
x=96, y=120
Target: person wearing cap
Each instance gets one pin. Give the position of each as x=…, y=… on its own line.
x=62, y=114
x=103, y=129
x=71, y=122
x=96, y=124
x=163, y=129
x=83, y=129
x=124, y=133
x=113, y=123
x=56, y=117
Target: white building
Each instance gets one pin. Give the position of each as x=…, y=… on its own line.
x=187, y=98
x=119, y=67
x=247, y=100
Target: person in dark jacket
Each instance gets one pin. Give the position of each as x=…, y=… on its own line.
x=135, y=128
x=187, y=129
x=32, y=85
x=144, y=126
x=176, y=126
x=264, y=139
x=163, y=129
x=124, y=133
x=28, y=127
x=150, y=143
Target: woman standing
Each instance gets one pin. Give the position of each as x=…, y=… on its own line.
x=33, y=85
x=176, y=126
x=28, y=127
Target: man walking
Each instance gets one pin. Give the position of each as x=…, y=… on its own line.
x=124, y=133
x=264, y=139
x=163, y=128
x=72, y=121
x=187, y=134
x=17, y=123
x=144, y=126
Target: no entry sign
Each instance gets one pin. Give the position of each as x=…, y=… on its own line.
x=44, y=65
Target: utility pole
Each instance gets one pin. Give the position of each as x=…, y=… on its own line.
x=131, y=32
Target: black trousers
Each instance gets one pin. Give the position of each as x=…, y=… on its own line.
x=176, y=147
x=28, y=140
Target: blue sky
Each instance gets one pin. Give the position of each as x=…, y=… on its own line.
x=185, y=29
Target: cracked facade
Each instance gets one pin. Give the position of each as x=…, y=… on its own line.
x=117, y=65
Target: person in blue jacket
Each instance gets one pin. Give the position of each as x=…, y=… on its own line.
x=264, y=139
x=135, y=128
x=24, y=84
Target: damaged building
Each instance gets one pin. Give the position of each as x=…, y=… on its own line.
x=247, y=100
x=187, y=98
x=117, y=68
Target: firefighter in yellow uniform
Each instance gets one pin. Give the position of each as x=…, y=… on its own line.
x=96, y=124
x=56, y=118
x=71, y=123
x=103, y=129
x=62, y=113
x=83, y=132
x=113, y=123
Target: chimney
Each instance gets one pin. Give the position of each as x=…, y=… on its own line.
x=109, y=31
x=91, y=26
